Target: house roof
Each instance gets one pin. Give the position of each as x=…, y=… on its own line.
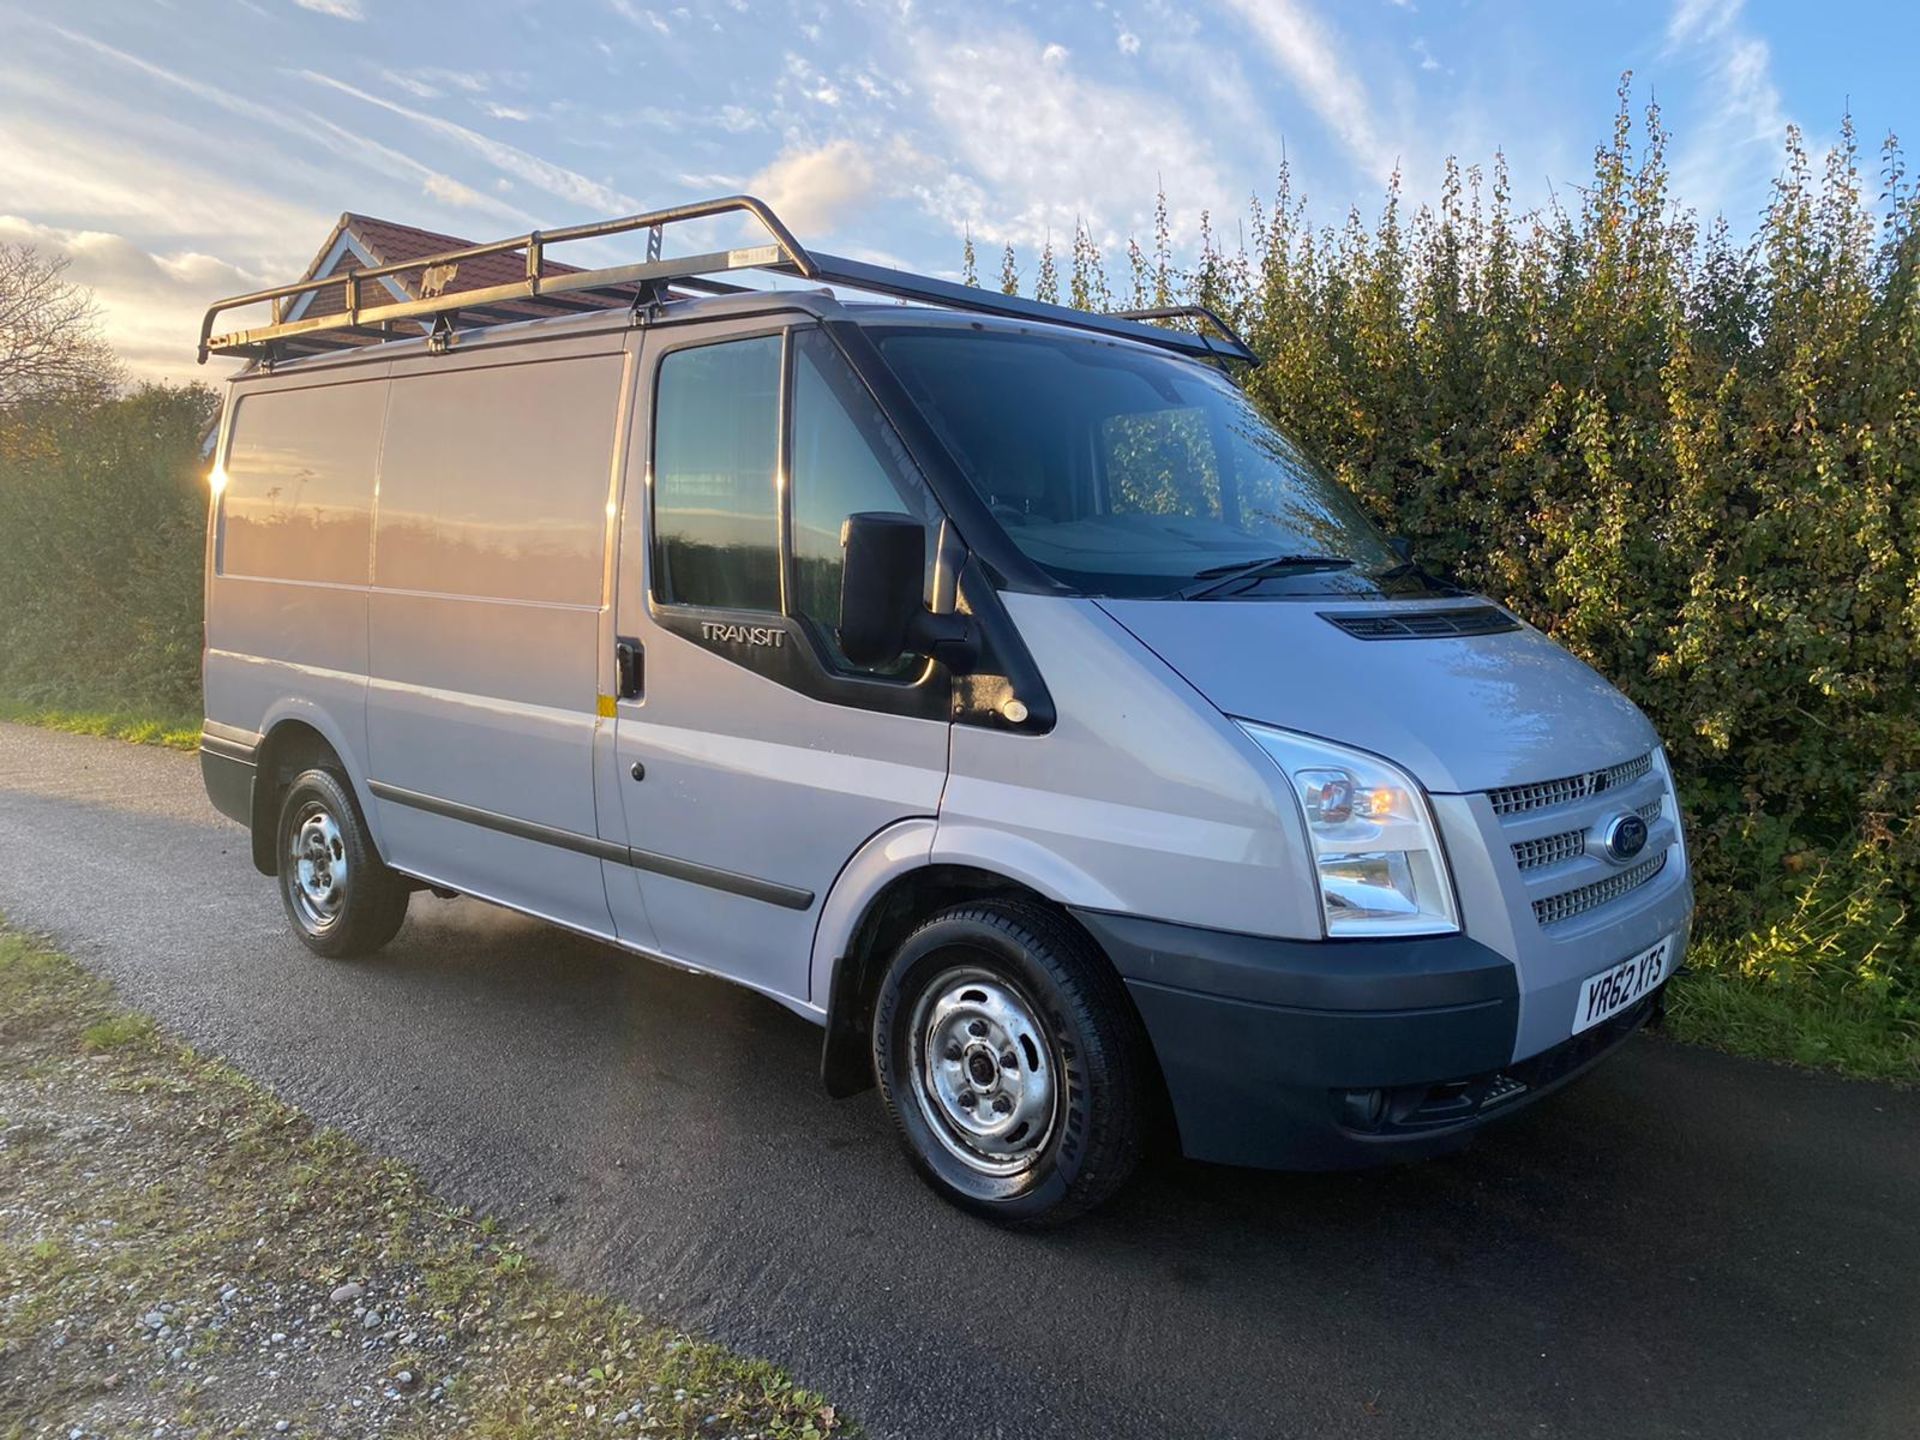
x=363, y=241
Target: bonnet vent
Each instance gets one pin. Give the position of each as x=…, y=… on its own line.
x=1424, y=624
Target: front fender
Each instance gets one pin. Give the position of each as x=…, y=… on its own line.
x=888, y=854
x=1023, y=860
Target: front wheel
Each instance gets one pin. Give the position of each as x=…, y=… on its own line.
x=340, y=896
x=1012, y=1063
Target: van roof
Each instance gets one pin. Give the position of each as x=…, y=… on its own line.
x=364, y=321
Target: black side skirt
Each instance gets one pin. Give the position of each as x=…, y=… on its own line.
x=771, y=892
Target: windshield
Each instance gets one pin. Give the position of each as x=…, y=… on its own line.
x=1125, y=473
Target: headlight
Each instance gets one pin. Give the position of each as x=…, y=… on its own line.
x=1671, y=800
x=1376, y=849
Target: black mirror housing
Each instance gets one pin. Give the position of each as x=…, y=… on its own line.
x=880, y=585
x=882, y=611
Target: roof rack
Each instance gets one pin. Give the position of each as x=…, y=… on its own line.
x=360, y=323
x=1200, y=315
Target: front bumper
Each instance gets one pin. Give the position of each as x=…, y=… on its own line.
x=1326, y=1055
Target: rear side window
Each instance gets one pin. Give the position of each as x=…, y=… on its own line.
x=494, y=482
x=299, y=483
x=716, y=449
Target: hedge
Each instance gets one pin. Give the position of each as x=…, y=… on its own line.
x=1692, y=459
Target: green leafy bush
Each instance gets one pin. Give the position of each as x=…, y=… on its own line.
x=1694, y=462
x=102, y=527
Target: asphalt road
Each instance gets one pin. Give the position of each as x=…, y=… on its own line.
x=1683, y=1244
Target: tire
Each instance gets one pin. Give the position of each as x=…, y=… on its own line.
x=1037, y=1141
x=341, y=898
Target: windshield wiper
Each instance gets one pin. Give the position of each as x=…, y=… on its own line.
x=1216, y=578
x=1414, y=570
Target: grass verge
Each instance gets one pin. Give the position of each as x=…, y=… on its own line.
x=176, y=732
x=181, y=1253
x=1824, y=1030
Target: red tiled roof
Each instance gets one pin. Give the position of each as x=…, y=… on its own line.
x=386, y=242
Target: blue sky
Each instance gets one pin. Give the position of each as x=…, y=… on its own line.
x=184, y=150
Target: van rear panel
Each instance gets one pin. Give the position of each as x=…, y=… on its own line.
x=290, y=555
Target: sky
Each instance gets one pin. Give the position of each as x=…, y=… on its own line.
x=181, y=150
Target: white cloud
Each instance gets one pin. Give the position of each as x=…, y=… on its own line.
x=310, y=128
x=151, y=303
x=47, y=168
x=1048, y=145
x=412, y=84
x=811, y=82
x=1128, y=42
x=1700, y=20
x=1427, y=62
x=431, y=82
x=1738, y=144
x=450, y=191
x=1302, y=48
x=472, y=81
x=338, y=9
x=637, y=15
x=814, y=190
x=1189, y=63
x=555, y=180
x=389, y=161
x=506, y=112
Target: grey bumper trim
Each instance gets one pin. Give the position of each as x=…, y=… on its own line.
x=229, y=779
x=229, y=742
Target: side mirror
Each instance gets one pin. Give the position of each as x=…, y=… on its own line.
x=880, y=586
x=882, y=614
x=1402, y=547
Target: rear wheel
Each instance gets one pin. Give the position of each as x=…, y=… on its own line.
x=339, y=895
x=1012, y=1063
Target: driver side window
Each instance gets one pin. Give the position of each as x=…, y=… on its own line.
x=845, y=460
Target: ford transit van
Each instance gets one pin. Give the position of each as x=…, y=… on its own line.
x=990, y=683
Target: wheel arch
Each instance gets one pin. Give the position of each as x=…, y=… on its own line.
x=885, y=892
x=296, y=739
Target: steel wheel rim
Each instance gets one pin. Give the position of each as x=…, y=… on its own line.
x=317, y=856
x=983, y=1071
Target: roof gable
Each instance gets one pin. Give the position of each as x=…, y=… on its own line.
x=367, y=242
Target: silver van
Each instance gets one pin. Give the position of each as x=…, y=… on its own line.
x=986, y=681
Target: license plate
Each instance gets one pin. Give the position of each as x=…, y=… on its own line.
x=1612, y=991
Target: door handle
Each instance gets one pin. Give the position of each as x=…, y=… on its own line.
x=629, y=662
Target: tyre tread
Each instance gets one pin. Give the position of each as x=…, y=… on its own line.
x=377, y=907
x=1114, y=1048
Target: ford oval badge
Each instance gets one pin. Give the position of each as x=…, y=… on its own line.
x=1626, y=837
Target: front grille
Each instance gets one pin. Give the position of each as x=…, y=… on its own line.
x=1548, y=850
x=1552, y=909
x=1424, y=624
x=1518, y=799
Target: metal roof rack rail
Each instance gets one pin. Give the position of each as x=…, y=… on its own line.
x=1238, y=349
x=359, y=323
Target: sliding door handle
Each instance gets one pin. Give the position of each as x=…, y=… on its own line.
x=629, y=661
